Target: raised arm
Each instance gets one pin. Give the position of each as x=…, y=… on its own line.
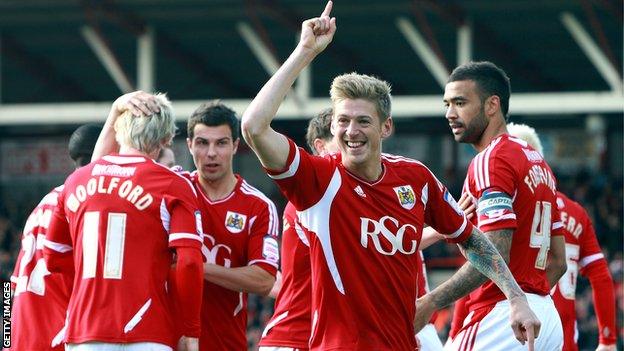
x=270, y=146
x=138, y=103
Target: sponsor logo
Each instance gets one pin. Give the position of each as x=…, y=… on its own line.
x=392, y=231
x=113, y=170
x=533, y=155
x=211, y=253
x=406, y=196
x=270, y=249
x=359, y=191
x=235, y=222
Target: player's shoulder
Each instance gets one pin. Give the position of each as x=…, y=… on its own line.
x=401, y=162
x=564, y=203
x=51, y=198
x=251, y=194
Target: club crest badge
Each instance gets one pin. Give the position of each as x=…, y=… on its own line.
x=406, y=196
x=235, y=222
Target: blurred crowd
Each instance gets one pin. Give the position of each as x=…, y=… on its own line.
x=601, y=195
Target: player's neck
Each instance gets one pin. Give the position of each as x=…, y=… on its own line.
x=129, y=151
x=218, y=189
x=369, y=171
x=495, y=129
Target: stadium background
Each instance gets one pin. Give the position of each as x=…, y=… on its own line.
x=62, y=63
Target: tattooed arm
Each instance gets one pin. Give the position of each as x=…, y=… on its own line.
x=486, y=260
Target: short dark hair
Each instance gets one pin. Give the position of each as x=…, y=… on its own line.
x=490, y=79
x=213, y=114
x=319, y=127
x=81, y=143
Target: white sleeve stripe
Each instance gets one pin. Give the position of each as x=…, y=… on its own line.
x=557, y=225
x=492, y=220
x=179, y=236
x=458, y=231
x=252, y=262
x=273, y=218
x=58, y=247
x=475, y=169
x=589, y=259
x=292, y=169
x=482, y=166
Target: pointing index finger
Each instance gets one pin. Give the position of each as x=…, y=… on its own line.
x=327, y=9
x=530, y=333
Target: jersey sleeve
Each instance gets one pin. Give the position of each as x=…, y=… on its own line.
x=492, y=184
x=443, y=213
x=179, y=212
x=262, y=247
x=304, y=178
x=590, y=251
x=58, y=244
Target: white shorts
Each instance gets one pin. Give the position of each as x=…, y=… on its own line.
x=107, y=346
x=494, y=331
x=276, y=348
x=429, y=339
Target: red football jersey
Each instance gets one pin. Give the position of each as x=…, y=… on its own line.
x=239, y=230
x=423, y=282
x=38, y=292
x=291, y=321
x=121, y=216
x=509, y=167
x=582, y=251
x=364, y=239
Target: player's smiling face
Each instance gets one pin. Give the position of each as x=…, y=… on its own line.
x=465, y=111
x=358, y=131
x=213, y=150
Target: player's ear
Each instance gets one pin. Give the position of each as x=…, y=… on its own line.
x=236, y=142
x=492, y=105
x=319, y=145
x=189, y=142
x=387, y=127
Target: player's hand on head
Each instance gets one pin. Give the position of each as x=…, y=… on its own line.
x=139, y=103
x=318, y=32
x=525, y=324
x=467, y=205
x=603, y=347
x=188, y=344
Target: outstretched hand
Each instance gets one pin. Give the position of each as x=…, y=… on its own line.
x=318, y=32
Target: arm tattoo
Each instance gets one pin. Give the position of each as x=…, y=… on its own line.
x=485, y=262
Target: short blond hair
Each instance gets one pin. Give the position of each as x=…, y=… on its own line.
x=360, y=86
x=526, y=133
x=147, y=134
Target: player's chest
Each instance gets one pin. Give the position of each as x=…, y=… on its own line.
x=387, y=218
x=227, y=224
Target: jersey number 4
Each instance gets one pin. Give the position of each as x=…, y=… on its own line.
x=113, y=249
x=540, y=232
